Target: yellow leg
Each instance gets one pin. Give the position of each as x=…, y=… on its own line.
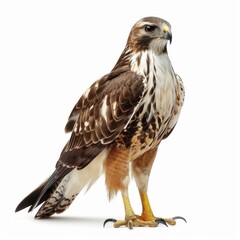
x=131, y=220
x=129, y=214
x=147, y=213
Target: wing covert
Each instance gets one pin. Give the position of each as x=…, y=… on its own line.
x=103, y=112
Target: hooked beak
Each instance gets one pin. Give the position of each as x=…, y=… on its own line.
x=169, y=37
x=167, y=32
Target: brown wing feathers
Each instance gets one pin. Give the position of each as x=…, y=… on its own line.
x=101, y=118
x=96, y=121
x=94, y=92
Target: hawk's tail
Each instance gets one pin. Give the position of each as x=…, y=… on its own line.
x=51, y=192
x=56, y=195
x=60, y=198
x=62, y=187
x=31, y=199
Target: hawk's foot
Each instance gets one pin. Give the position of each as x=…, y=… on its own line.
x=134, y=221
x=165, y=221
x=170, y=221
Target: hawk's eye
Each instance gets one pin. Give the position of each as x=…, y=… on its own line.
x=149, y=28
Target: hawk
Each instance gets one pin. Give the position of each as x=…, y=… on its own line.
x=116, y=128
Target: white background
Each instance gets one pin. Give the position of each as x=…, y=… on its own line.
x=53, y=50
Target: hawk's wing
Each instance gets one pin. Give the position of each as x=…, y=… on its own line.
x=90, y=95
x=101, y=114
x=96, y=121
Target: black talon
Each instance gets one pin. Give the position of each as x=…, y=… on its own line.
x=109, y=220
x=160, y=220
x=178, y=217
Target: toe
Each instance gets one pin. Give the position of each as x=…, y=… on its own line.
x=170, y=221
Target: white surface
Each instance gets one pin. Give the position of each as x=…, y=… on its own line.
x=53, y=50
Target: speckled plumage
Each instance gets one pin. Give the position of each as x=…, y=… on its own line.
x=120, y=119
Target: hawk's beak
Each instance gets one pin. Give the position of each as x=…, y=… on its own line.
x=167, y=32
x=169, y=37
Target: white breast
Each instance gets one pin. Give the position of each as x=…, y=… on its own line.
x=158, y=73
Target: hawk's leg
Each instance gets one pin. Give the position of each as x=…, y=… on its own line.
x=141, y=170
x=117, y=179
x=147, y=214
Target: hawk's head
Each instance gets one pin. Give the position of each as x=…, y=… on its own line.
x=150, y=33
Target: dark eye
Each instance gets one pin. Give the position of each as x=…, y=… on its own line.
x=149, y=28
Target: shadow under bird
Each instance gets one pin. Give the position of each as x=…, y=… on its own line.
x=116, y=128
